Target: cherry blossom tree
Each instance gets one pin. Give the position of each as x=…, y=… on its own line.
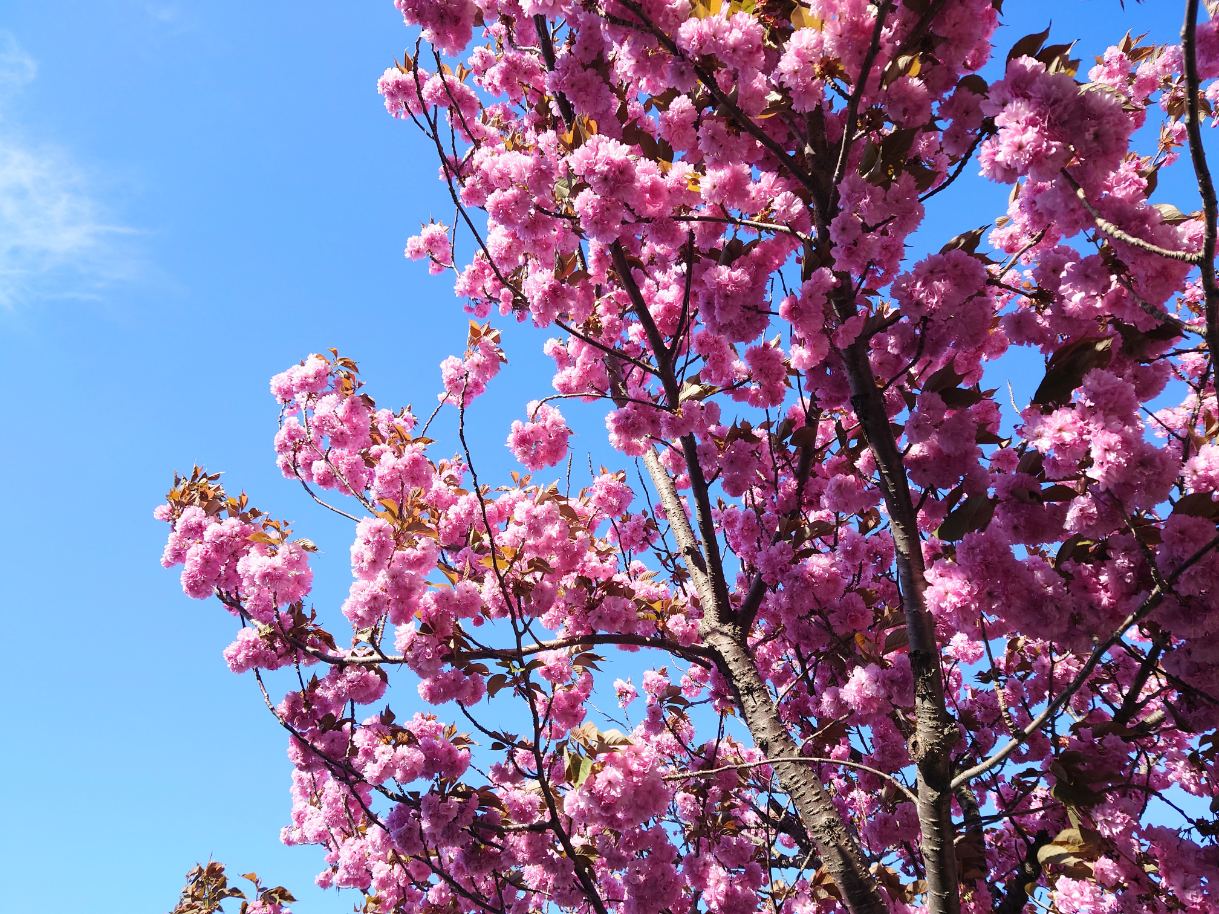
x=901, y=645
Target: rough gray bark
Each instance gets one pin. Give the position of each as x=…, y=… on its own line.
x=935, y=732
x=836, y=845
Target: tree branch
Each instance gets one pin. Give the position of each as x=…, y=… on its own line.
x=935, y=730
x=839, y=850
x=861, y=84
x=718, y=587
x=1202, y=171
x=809, y=759
x=712, y=86
x=1153, y=600
x=1119, y=234
x=1016, y=895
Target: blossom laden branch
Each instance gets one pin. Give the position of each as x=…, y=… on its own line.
x=1119, y=234
x=1153, y=600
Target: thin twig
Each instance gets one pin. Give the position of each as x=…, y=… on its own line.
x=814, y=759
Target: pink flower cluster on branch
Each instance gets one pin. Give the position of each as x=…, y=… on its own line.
x=902, y=647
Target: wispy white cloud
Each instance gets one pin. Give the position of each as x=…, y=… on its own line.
x=169, y=15
x=57, y=240
x=17, y=68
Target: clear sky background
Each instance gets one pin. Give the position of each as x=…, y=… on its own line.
x=192, y=197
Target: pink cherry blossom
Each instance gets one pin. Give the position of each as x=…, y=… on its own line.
x=908, y=541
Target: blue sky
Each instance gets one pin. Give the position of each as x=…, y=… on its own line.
x=192, y=197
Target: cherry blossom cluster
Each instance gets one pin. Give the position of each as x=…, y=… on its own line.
x=902, y=643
